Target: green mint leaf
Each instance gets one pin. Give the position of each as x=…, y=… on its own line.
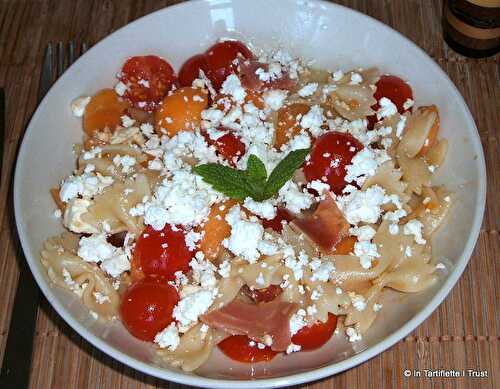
x=284, y=171
x=256, y=175
x=231, y=182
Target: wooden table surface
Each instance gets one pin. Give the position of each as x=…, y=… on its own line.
x=464, y=331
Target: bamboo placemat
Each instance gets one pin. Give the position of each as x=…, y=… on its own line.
x=463, y=333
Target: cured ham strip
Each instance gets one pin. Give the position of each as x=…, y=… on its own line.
x=255, y=321
x=325, y=227
x=250, y=79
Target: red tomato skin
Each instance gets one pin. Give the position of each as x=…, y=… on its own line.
x=276, y=224
x=393, y=88
x=146, y=307
x=156, y=260
x=316, y=335
x=237, y=348
x=156, y=72
x=230, y=147
x=329, y=147
x=191, y=69
x=220, y=59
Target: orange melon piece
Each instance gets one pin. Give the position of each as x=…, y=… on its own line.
x=345, y=246
x=216, y=229
x=181, y=111
x=104, y=110
x=288, y=124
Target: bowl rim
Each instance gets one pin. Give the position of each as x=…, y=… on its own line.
x=296, y=378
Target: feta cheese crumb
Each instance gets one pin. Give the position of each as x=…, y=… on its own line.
x=358, y=301
x=387, y=108
x=292, y=348
x=275, y=98
x=308, y=90
x=168, y=337
x=232, y=87
x=408, y=104
x=120, y=88
x=265, y=209
x=353, y=335
x=414, y=227
x=78, y=105
x=192, y=305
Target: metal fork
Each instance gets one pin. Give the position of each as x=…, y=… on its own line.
x=16, y=364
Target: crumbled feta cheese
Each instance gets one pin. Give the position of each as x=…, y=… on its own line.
x=408, y=251
x=363, y=233
x=356, y=79
x=308, y=90
x=363, y=206
x=168, y=337
x=353, y=335
x=414, y=227
x=232, y=87
x=86, y=185
x=387, y=108
x=366, y=252
x=297, y=321
x=78, y=106
x=245, y=235
x=401, y=126
x=101, y=298
x=358, y=301
x=203, y=271
x=57, y=213
x=120, y=88
x=73, y=213
x=319, y=186
x=377, y=307
x=337, y=75
x=364, y=164
x=225, y=269
x=274, y=98
x=431, y=168
x=393, y=229
x=408, y=104
x=192, y=305
x=322, y=272
x=117, y=264
x=191, y=238
x=127, y=121
x=313, y=120
x=126, y=162
x=95, y=248
x=294, y=199
x=265, y=209
x=292, y=348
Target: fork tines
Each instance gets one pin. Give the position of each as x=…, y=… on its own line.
x=66, y=54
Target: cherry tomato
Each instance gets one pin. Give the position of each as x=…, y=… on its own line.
x=395, y=89
x=229, y=146
x=162, y=253
x=146, y=307
x=330, y=155
x=282, y=215
x=263, y=295
x=148, y=79
x=220, y=59
x=191, y=69
x=237, y=347
x=316, y=335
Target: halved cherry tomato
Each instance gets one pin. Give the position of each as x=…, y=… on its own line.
x=191, y=69
x=288, y=122
x=162, y=253
x=148, y=79
x=263, y=295
x=229, y=146
x=330, y=155
x=345, y=246
x=282, y=215
x=220, y=59
x=146, y=307
x=393, y=88
x=237, y=347
x=316, y=335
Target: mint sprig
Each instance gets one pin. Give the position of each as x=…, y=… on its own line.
x=252, y=182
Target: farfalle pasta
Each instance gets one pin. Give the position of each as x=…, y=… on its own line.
x=254, y=204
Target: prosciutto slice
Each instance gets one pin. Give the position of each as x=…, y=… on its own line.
x=325, y=227
x=255, y=320
x=250, y=79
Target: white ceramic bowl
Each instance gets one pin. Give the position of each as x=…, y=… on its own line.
x=335, y=37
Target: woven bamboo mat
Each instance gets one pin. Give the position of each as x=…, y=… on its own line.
x=463, y=333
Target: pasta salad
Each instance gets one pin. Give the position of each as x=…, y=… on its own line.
x=249, y=202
